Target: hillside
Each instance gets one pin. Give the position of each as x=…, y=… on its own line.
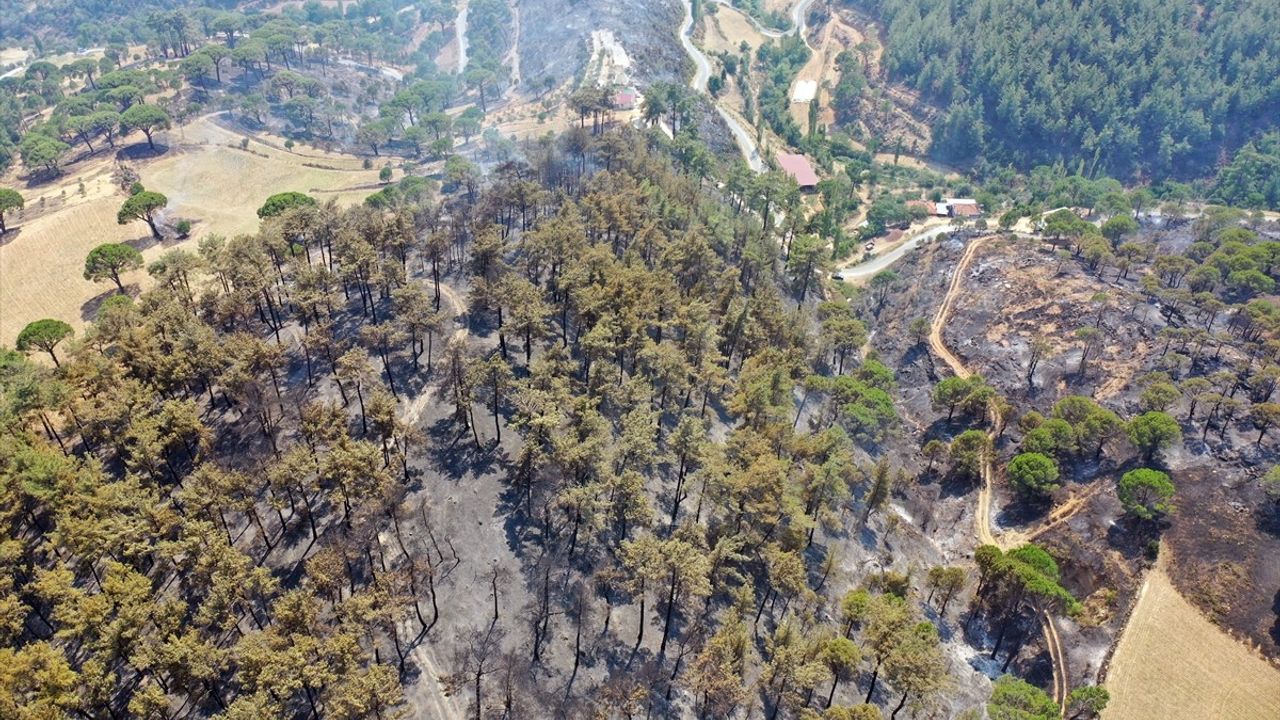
x=1142, y=88
x=564, y=360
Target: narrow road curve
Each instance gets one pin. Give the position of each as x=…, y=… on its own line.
x=982, y=516
x=460, y=34
x=865, y=270
x=513, y=55
x=799, y=12
x=1058, y=658
x=701, y=74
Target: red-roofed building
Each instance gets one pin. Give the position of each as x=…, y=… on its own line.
x=798, y=167
x=963, y=207
x=626, y=99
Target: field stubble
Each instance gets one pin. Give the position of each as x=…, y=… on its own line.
x=209, y=180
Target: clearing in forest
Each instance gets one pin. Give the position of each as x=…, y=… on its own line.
x=821, y=70
x=727, y=28
x=208, y=181
x=1173, y=662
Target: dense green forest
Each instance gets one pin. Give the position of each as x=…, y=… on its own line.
x=1132, y=88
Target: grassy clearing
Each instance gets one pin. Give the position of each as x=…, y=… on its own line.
x=217, y=186
x=1173, y=662
x=727, y=28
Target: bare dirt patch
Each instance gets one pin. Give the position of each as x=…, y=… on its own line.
x=821, y=68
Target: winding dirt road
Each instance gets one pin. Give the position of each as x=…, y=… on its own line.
x=982, y=516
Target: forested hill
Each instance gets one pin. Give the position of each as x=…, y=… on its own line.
x=1153, y=88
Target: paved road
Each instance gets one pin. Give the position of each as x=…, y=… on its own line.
x=881, y=262
x=799, y=12
x=701, y=74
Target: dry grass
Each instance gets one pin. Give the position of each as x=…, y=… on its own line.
x=447, y=58
x=1173, y=662
x=216, y=186
x=779, y=6
x=821, y=68
x=727, y=28
x=13, y=55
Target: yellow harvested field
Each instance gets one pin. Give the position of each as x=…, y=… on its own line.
x=216, y=186
x=1172, y=662
x=223, y=187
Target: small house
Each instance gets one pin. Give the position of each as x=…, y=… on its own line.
x=626, y=99
x=963, y=208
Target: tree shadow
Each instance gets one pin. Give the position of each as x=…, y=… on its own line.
x=1267, y=518
x=89, y=309
x=1024, y=510
x=10, y=235
x=41, y=176
x=951, y=486
x=1275, y=627
x=142, y=243
x=1131, y=536
x=141, y=151
x=454, y=453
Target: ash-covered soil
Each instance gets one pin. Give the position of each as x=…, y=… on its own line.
x=1224, y=535
x=647, y=29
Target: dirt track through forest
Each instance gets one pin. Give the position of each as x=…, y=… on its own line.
x=413, y=410
x=443, y=705
x=982, y=517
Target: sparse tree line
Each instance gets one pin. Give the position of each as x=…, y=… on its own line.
x=1217, y=348
x=1212, y=380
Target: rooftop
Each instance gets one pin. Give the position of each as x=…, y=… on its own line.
x=798, y=167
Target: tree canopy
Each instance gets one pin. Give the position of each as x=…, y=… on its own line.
x=1145, y=493
x=147, y=118
x=9, y=200
x=1146, y=87
x=144, y=206
x=107, y=261
x=280, y=202
x=44, y=335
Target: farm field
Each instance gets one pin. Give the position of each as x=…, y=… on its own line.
x=216, y=186
x=1173, y=662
